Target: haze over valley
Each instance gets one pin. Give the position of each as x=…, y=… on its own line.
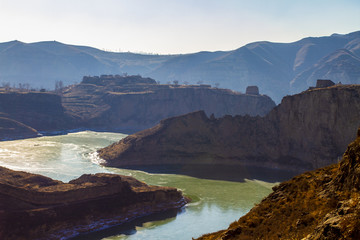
x=279, y=69
x=176, y=120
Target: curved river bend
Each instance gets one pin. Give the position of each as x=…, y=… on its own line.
x=215, y=203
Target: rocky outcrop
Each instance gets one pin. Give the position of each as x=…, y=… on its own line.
x=133, y=103
x=305, y=131
x=322, y=204
x=37, y=207
x=37, y=110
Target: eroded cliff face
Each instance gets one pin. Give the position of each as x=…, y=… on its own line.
x=118, y=103
x=133, y=103
x=11, y=129
x=305, y=131
x=36, y=110
x=317, y=125
x=322, y=204
x=36, y=207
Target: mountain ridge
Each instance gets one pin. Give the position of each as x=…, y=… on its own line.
x=233, y=69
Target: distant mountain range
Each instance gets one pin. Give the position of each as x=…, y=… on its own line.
x=278, y=69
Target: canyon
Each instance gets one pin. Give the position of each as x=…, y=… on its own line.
x=116, y=103
x=133, y=103
x=306, y=131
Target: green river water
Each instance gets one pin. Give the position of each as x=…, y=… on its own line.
x=215, y=203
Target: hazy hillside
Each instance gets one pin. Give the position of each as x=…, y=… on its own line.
x=41, y=64
x=340, y=66
x=277, y=68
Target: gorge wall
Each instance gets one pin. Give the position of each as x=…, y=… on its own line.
x=306, y=131
x=116, y=103
x=24, y=113
x=321, y=204
x=36, y=207
x=134, y=103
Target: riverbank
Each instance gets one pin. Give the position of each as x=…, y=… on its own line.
x=34, y=206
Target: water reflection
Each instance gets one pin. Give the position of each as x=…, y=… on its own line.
x=131, y=228
x=220, y=172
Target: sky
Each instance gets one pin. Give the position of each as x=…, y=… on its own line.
x=174, y=26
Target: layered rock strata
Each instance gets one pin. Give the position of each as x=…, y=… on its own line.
x=35, y=110
x=37, y=207
x=118, y=103
x=134, y=103
x=306, y=131
x=322, y=204
x=10, y=129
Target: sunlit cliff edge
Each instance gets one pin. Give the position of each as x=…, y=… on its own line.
x=306, y=131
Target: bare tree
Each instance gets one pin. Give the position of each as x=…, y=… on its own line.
x=26, y=86
x=6, y=86
x=59, y=85
x=217, y=85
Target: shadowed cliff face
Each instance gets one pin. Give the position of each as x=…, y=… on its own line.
x=118, y=103
x=322, y=204
x=33, y=206
x=40, y=111
x=305, y=131
x=10, y=128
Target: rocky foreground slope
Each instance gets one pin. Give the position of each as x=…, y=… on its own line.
x=322, y=204
x=306, y=131
x=133, y=103
x=36, y=207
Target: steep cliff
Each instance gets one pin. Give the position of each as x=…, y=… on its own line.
x=36, y=207
x=134, y=103
x=305, y=131
x=322, y=204
x=10, y=129
x=40, y=111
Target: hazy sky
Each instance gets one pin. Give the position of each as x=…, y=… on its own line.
x=174, y=26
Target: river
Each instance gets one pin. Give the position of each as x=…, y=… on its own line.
x=215, y=203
